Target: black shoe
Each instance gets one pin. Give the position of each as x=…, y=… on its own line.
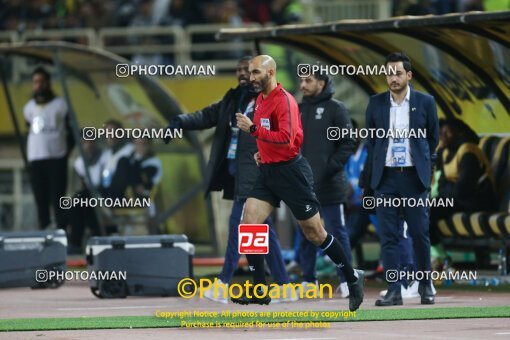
x=356, y=291
x=392, y=298
x=426, y=293
x=245, y=300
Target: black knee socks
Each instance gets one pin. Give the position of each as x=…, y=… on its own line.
x=334, y=250
x=256, y=263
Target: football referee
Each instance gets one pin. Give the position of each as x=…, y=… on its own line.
x=285, y=175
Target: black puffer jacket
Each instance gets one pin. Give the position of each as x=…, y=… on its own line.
x=219, y=115
x=326, y=157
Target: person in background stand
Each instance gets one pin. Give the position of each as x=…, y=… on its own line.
x=81, y=217
x=115, y=175
x=146, y=173
x=50, y=141
x=358, y=218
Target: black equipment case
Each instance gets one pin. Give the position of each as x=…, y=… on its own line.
x=153, y=265
x=28, y=258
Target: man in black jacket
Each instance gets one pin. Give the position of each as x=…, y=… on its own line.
x=231, y=168
x=327, y=157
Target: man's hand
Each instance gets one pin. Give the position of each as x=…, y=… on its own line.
x=243, y=122
x=256, y=157
x=174, y=124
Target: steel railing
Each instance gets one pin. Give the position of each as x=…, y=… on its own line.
x=164, y=39
x=196, y=44
x=85, y=36
x=15, y=196
x=320, y=11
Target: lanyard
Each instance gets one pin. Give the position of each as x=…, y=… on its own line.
x=246, y=111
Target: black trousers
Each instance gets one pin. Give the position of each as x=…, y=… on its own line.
x=358, y=221
x=49, y=180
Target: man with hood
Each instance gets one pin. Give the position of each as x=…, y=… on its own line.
x=327, y=157
x=231, y=168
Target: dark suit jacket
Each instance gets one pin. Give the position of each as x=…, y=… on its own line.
x=422, y=115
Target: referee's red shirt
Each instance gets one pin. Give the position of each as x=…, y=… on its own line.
x=279, y=132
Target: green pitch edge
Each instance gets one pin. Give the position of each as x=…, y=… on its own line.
x=119, y=322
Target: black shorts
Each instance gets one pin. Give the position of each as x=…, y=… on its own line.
x=290, y=182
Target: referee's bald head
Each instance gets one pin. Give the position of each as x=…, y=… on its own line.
x=265, y=61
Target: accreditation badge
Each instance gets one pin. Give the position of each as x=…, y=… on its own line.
x=265, y=123
x=398, y=155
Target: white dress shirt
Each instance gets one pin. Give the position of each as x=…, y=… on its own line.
x=399, y=149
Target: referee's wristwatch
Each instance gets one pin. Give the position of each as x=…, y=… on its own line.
x=253, y=128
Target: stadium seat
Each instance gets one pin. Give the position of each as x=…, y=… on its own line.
x=485, y=230
x=488, y=145
x=486, y=224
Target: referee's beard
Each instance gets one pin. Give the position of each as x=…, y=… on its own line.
x=261, y=86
